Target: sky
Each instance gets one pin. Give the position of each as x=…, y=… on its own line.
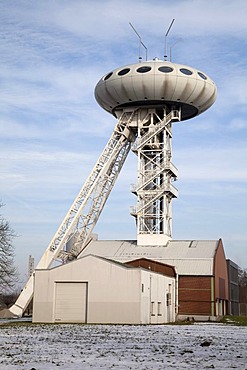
x=52, y=131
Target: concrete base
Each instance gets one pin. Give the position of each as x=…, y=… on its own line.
x=7, y=314
x=198, y=318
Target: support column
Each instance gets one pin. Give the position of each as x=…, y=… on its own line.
x=156, y=173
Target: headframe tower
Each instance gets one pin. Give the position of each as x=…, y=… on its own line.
x=145, y=98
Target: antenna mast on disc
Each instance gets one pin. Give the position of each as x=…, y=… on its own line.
x=141, y=44
x=165, y=56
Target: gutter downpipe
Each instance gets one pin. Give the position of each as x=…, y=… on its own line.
x=176, y=297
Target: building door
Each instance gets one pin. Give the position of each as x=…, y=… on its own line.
x=70, y=302
x=169, y=303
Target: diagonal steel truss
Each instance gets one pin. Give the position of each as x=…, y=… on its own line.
x=77, y=226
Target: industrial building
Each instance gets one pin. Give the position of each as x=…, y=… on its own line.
x=200, y=265
x=233, y=288
x=97, y=290
x=121, y=282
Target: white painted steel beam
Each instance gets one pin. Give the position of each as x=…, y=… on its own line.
x=156, y=172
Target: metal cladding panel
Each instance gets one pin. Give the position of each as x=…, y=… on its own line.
x=182, y=84
x=190, y=257
x=147, y=86
x=192, y=248
x=198, y=267
x=122, y=250
x=184, y=88
x=194, y=257
x=199, y=92
x=125, y=86
x=167, y=85
x=183, y=249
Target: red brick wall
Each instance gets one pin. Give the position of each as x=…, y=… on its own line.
x=194, y=295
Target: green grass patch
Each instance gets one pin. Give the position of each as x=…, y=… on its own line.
x=234, y=320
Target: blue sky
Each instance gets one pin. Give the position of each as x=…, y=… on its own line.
x=52, y=130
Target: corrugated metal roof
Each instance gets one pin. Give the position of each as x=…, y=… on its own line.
x=188, y=256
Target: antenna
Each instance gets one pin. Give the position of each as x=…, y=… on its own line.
x=165, y=56
x=141, y=44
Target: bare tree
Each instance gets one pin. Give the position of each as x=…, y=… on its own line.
x=8, y=271
x=8, y=299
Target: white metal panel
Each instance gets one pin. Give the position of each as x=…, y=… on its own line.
x=192, y=248
x=189, y=256
x=202, y=266
x=70, y=302
x=124, y=250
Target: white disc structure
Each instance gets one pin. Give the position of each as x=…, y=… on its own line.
x=156, y=83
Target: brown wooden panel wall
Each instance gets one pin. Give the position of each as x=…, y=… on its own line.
x=195, y=308
x=194, y=282
x=194, y=295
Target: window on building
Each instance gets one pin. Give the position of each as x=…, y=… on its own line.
x=144, y=69
x=168, y=299
x=107, y=76
x=152, y=309
x=159, y=309
x=186, y=71
x=165, y=69
x=202, y=75
x=123, y=71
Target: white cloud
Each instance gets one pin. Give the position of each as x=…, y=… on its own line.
x=210, y=168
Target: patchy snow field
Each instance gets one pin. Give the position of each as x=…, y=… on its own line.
x=64, y=346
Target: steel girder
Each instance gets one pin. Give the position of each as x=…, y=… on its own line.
x=156, y=172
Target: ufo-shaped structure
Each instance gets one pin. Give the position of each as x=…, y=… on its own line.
x=156, y=83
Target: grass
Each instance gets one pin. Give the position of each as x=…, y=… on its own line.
x=234, y=320
x=231, y=320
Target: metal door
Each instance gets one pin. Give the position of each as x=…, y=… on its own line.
x=70, y=302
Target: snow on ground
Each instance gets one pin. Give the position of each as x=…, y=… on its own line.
x=120, y=347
